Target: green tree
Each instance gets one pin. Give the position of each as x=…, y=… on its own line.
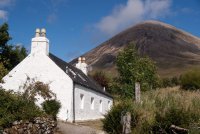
x=4, y=36
x=3, y=71
x=101, y=78
x=134, y=68
x=10, y=55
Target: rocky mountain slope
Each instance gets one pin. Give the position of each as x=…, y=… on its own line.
x=173, y=50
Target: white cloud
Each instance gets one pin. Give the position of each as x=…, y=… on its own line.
x=51, y=18
x=54, y=7
x=3, y=15
x=124, y=16
x=5, y=3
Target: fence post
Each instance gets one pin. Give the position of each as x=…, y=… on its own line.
x=137, y=92
x=126, y=123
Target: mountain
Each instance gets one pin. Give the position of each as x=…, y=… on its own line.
x=173, y=50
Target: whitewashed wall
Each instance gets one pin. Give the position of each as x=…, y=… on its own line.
x=87, y=113
x=42, y=68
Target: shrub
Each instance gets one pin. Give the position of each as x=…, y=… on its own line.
x=191, y=80
x=51, y=107
x=111, y=122
x=170, y=82
x=32, y=88
x=14, y=107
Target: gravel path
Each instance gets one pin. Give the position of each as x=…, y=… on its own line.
x=68, y=128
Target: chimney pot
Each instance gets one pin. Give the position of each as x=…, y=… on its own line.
x=83, y=59
x=38, y=44
x=79, y=60
x=43, y=32
x=37, y=32
x=82, y=65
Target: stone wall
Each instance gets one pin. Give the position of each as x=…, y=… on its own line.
x=39, y=125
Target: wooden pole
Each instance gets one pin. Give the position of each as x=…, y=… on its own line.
x=126, y=123
x=137, y=92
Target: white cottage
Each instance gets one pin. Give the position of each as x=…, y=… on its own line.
x=81, y=98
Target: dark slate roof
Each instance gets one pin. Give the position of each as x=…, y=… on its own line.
x=77, y=75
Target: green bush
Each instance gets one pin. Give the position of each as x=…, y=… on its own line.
x=111, y=122
x=191, y=80
x=14, y=107
x=51, y=107
x=170, y=82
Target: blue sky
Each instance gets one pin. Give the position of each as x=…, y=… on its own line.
x=76, y=26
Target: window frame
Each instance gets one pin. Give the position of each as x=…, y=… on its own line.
x=101, y=106
x=92, y=103
x=82, y=98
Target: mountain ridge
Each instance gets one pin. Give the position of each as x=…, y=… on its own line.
x=173, y=49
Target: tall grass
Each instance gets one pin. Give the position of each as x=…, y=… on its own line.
x=159, y=109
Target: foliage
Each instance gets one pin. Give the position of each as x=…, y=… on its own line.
x=191, y=80
x=32, y=88
x=10, y=55
x=21, y=106
x=51, y=107
x=158, y=110
x=13, y=55
x=112, y=120
x=134, y=68
x=101, y=78
x=121, y=91
x=3, y=71
x=14, y=107
x=4, y=36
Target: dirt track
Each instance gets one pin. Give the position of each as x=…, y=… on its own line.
x=68, y=128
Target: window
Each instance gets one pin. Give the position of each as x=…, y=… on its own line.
x=92, y=103
x=100, y=106
x=82, y=101
x=109, y=105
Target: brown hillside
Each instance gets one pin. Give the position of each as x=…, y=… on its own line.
x=173, y=50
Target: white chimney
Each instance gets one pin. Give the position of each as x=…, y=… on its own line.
x=40, y=44
x=82, y=65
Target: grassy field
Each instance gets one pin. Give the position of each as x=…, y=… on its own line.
x=158, y=110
